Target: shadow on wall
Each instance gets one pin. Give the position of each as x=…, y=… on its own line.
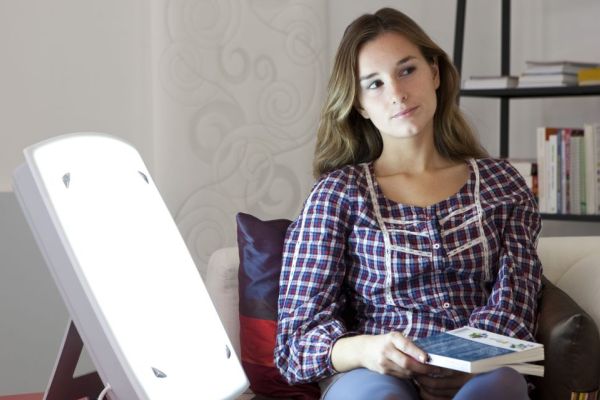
x=34, y=317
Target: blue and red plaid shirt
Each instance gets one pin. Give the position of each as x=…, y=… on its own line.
x=356, y=262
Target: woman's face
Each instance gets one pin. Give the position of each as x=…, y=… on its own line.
x=397, y=86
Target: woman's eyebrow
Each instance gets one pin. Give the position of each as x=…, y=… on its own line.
x=400, y=62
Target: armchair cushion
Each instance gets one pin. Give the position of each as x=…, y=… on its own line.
x=260, y=245
x=572, y=347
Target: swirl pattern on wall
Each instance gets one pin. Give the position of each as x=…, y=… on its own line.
x=183, y=77
x=208, y=23
x=243, y=83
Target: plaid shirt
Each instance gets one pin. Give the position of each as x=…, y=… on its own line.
x=356, y=262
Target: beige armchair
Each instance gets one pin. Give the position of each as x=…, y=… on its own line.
x=572, y=268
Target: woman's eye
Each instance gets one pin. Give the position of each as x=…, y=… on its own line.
x=374, y=84
x=407, y=71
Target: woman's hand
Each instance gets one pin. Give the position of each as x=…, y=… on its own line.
x=391, y=354
x=442, y=385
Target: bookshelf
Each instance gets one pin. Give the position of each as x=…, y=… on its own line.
x=505, y=95
x=534, y=92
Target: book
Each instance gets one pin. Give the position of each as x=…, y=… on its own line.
x=589, y=76
x=557, y=67
x=576, y=175
x=475, y=350
x=546, y=161
x=591, y=138
x=542, y=179
x=589, y=82
x=490, y=82
x=553, y=73
x=562, y=158
x=554, y=177
x=533, y=80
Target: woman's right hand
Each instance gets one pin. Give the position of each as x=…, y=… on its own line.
x=391, y=354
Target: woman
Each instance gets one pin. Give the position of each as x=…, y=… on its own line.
x=410, y=230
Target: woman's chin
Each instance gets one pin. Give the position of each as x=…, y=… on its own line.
x=404, y=132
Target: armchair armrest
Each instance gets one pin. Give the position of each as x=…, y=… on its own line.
x=572, y=346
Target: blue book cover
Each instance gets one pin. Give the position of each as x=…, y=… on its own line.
x=475, y=350
x=447, y=345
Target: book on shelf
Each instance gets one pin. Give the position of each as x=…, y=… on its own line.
x=537, y=80
x=552, y=73
x=569, y=170
x=490, y=82
x=557, y=66
x=591, y=139
x=475, y=350
x=590, y=83
x=588, y=76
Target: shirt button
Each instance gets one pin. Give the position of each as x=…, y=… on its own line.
x=436, y=246
x=446, y=305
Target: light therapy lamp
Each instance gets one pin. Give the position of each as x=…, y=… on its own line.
x=129, y=283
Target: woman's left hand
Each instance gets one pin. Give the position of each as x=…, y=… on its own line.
x=441, y=386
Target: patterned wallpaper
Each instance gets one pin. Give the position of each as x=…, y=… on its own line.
x=238, y=86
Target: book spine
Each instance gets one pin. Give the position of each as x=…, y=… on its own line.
x=553, y=175
x=574, y=183
x=541, y=164
x=582, y=175
x=596, y=135
x=566, y=170
x=560, y=173
x=590, y=169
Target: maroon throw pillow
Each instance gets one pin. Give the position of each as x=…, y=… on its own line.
x=260, y=245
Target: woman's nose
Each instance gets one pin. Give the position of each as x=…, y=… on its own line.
x=397, y=92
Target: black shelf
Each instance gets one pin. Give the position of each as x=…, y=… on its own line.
x=504, y=95
x=571, y=217
x=559, y=91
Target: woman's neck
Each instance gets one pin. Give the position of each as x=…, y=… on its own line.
x=411, y=156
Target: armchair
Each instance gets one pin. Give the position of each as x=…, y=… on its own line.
x=568, y=321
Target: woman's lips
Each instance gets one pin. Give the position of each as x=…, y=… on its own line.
x=405, y=113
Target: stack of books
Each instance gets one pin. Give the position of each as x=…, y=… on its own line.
x=490, y=82
x=588, y=76
x=568, y=161
x=552, y=73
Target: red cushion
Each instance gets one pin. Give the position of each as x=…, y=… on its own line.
x=259, y=340
x=260, y=245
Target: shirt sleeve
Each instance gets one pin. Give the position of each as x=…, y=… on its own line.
x=311, y=279
x=512, y=305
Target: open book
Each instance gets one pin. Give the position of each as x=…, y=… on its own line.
x=474, y=350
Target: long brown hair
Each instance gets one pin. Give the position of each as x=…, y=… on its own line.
x=345, y=137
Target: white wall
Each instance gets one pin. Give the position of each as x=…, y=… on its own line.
x=32, y=312
x=207, y=89
x=68, y=66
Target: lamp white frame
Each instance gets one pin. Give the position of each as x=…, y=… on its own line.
x=129, y=283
